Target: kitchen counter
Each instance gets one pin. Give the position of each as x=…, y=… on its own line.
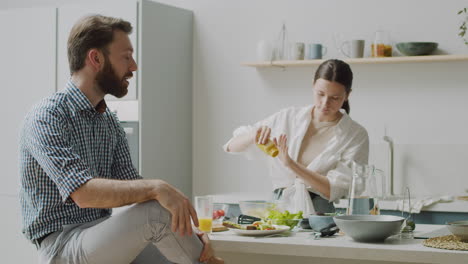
x=337, y=249
x=459, y=206
x=456, y=205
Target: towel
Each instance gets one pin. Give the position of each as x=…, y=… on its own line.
x=418, y=204
x=296, y=198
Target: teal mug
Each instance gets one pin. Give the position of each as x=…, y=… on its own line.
x=316, y=51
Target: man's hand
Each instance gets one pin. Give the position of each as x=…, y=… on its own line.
x=178, y=205
x=207, y=254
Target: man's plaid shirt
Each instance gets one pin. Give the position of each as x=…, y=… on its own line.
x=64, y=143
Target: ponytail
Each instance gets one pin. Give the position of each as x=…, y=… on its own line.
x=346, y=106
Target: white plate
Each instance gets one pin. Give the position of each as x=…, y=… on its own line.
x=243, y=232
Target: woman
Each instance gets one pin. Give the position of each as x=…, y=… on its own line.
x=317, y=144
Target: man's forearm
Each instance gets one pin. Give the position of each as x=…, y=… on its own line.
x=106, y=193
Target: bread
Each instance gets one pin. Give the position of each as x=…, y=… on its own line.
x=219, y=228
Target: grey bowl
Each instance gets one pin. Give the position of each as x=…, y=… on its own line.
x=416, y=48
x=459, y=229
x=369, y=228
x=318, y=222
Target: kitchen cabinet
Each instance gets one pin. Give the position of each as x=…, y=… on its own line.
x=35, y=66
x=160, y=92
x=387, y=60
x=165, y=94
x=28, y=74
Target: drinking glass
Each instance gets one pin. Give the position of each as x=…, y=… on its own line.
x=204, y=208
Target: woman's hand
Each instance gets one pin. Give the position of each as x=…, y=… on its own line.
x=262, y=135
x=282, y=145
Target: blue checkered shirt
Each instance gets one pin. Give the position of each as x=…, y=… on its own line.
x=65, y=142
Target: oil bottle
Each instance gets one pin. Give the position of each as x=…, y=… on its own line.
x=269, y=148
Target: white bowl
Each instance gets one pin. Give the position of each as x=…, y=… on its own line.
x=369, y=228
x=256, y=208
x=459, y=229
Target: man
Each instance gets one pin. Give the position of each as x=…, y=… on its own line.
x=75, y=165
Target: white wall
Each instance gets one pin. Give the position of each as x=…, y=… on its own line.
x=421, y=104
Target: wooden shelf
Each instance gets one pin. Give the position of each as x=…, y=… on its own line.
x=408, y=59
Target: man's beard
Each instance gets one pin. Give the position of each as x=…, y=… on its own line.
x=109, y=83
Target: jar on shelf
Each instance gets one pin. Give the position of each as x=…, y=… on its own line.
x=381, y=45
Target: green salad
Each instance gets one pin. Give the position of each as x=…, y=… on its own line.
x=285, y=218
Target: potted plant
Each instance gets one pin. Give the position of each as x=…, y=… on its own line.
x=462, y=33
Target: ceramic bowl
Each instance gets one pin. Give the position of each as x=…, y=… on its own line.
x=459, y=229
x=416, y=48
x=318, y=222
x=369, y=228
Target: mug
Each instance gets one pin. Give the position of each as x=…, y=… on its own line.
x=316, y=51
x=264, y=50
x=353, y=48
x=297, y=51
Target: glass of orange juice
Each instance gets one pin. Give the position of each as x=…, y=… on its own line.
x=204, y=208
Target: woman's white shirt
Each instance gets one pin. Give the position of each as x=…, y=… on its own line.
x=350, y=143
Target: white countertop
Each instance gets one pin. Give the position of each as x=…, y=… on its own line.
x=456, y=205
x=340, y=247
x=459, y=206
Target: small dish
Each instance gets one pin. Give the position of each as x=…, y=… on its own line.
x=244, y=232
x=459, y=229
x=319, y=222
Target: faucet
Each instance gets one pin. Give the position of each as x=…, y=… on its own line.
x=389, y=140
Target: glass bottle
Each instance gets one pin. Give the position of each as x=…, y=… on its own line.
x=269, y=148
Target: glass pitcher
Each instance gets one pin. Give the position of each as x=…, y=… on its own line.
x=367, y=187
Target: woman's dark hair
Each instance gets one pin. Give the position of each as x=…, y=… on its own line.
x=336, y=71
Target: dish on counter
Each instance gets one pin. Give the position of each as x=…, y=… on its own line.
x=459, y=229
x=244, y=232
x=369, y=228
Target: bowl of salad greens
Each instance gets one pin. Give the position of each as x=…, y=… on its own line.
x=285, y=218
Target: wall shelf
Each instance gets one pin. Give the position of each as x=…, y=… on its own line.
x=387, y=60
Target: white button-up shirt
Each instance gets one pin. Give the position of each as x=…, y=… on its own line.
x=350, y=143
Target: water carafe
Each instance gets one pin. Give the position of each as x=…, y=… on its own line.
x=367, y=187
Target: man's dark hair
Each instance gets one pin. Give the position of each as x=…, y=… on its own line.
x=92, y=32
